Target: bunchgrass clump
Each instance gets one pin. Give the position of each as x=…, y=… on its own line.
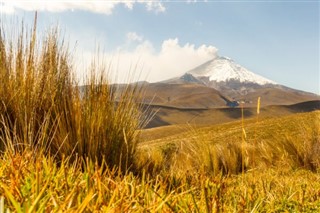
x=43, y=108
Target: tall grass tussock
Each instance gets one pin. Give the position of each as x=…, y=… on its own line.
x=66, y=147
x=44, y=109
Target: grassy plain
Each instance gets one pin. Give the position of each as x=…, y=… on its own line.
x=283, y=177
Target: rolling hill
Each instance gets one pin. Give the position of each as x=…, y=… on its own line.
x=207, y=116
x=266, y=127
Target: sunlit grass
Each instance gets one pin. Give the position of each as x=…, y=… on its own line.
x=290, y=140
x=44, y=109
x=41, y=185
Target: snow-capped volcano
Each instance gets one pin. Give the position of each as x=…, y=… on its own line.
x=223, y=69
x=232, y=83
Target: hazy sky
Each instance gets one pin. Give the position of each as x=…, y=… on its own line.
x=276, y=39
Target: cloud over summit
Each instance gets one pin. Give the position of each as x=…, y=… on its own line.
x=173, y=59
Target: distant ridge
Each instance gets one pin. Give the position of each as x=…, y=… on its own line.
x=176, y=116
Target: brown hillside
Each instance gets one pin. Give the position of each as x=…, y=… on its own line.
x=277, y=96
x=183, y=95
x=200, y=116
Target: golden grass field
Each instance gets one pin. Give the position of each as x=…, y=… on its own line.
x=66, y=148
x=196, y=171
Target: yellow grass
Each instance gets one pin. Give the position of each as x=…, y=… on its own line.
x=290, y=140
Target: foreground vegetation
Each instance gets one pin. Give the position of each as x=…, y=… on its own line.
x=40, y=185
x=43, y=108
x=66, y=148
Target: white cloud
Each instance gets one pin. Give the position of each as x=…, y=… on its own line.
x=154, y=6
x=6, y=8
x=60, y=6
x=95, y=6
x=171, y=61
x=133, y=36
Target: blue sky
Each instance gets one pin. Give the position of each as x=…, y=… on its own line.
x=276, y=39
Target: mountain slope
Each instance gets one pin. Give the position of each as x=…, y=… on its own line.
x=183, y=95
x=237, y=84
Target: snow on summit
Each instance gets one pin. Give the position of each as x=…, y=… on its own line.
x=223, y=69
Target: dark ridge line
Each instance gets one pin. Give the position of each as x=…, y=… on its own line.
x=223, y=108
